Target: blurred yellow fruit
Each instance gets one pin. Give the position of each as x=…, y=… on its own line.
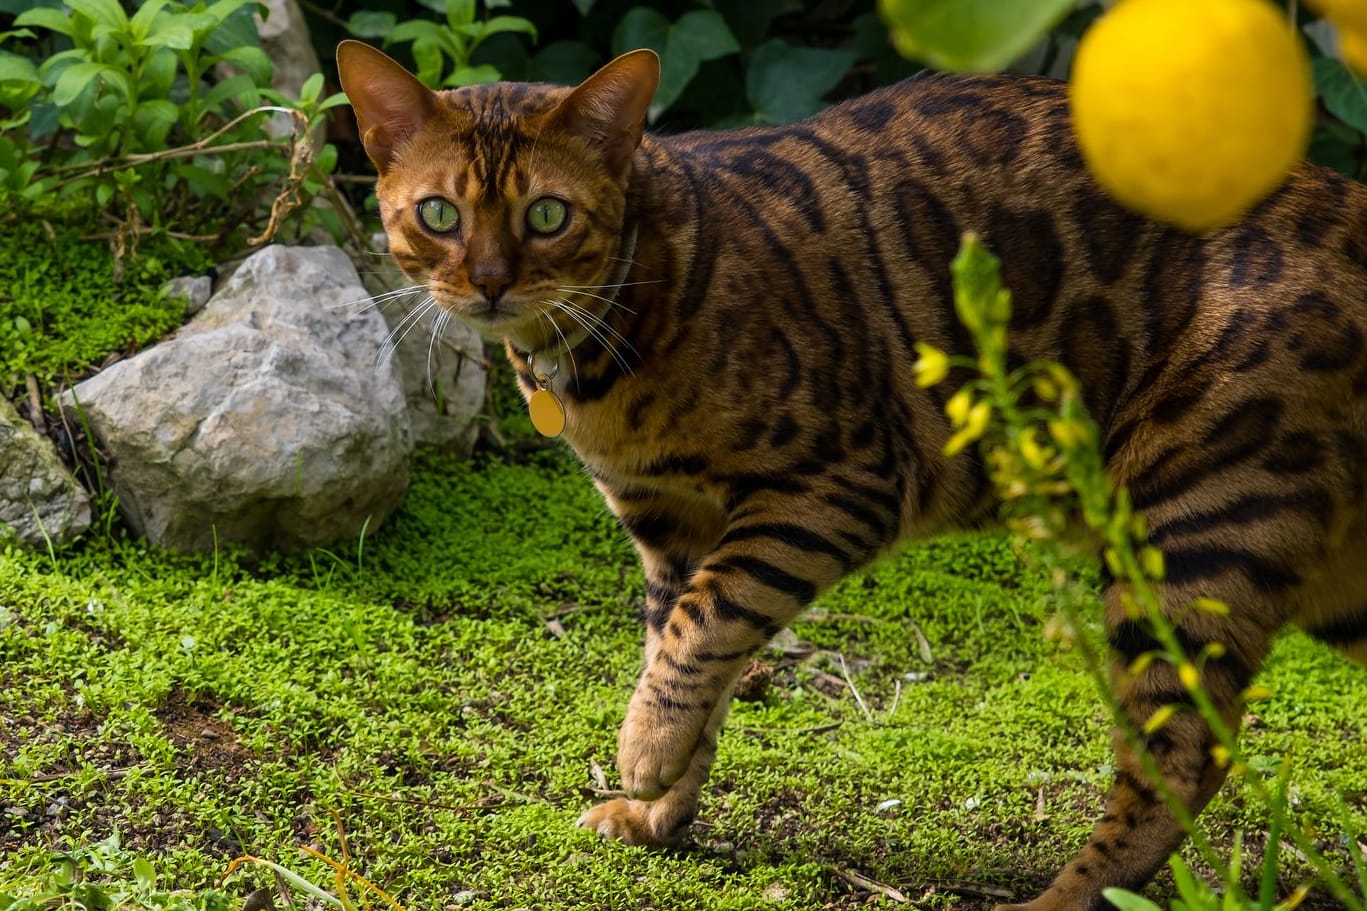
x=1353, y=46
x=1348, y=15
x=1191, y=111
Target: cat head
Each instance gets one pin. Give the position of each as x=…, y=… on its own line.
x=506, y=200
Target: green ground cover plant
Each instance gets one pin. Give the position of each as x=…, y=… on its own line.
x=63, y=312
x=451, y=685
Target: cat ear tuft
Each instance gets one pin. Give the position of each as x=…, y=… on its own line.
x=609, y=108
x=390, y=103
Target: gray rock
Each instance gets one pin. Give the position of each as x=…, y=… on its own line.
x=265, y=421
x=195, y=289
x=444, y=376
x=285, y=39
x=40, y=501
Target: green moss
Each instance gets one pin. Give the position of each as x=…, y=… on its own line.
x=63, y=311
x=412, y=684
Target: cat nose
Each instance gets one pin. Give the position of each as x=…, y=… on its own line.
x=493, y=285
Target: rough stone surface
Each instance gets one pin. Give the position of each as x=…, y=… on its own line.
x=39, y=499
x=265, y=421
x=195, y=289
x=444, y=377
x=285, y=39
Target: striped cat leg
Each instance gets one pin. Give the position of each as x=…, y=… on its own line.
x=661, y=823
x=1138, y=831
x=764, y=569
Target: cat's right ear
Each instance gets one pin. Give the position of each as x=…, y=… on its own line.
x=390, y=103
x=609, y=108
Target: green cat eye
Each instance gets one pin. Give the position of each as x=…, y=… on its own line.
x=439, y=215
x=547, y=215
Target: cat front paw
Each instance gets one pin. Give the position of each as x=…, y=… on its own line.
x=655, y=746
x=638, y=822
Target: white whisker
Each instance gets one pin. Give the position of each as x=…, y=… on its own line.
x=607, y=300
x=653, y=281
x=401, y=329
x=438, y=327
x=603, y=324
x=378, y=301
x=560, y=333
x=599, y=331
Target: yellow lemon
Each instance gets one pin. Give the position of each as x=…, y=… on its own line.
x=1350, y=18
x=1191, y=111
x=1353, y=46
x=1349, y=15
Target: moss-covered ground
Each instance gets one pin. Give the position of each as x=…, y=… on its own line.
x=449, y=688
x=63, y=310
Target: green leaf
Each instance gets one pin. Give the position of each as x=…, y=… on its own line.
x=223, y=10
x=251, y=60
x=327, y=158
x=158, y=74
x=153, y=120
x=970, y=35
x=50, y=19
x=14, y=68
x=786, y=83
x=141, y=23
x=412, y=30
x=236, y=27
x=563, y=63
x=750, y=19
x=175, y=36
x=311, y=89
x=232, y=87
x=584, y=6
x=472, y=75
x=108, y=13
x=506, y=24
x=1128, y=901
x=76, y=77
x=332, y=101
x=427, y=55
x=370, y=24
x=1343, y=92
x=698, y=36
x=143, y=874
x=640, y=27
x=460, y=12
x=1335, y=146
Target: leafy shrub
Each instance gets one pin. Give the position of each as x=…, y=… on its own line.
x=126, y=116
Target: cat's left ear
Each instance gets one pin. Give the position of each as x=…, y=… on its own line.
x=390, y=103
x=609, y=108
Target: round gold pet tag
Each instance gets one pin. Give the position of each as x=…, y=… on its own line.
x=547, y=412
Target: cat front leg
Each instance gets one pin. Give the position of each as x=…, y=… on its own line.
x=661, y=823
x=762, y=572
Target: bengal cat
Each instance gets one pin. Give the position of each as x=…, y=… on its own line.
x=724, y=322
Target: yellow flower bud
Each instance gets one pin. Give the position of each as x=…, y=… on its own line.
x=1035, y=456
x=957, y=407
x=1159, y=718
x=1065, y=433
x=932, y=365
x=975, y=425
x=1211, y=606
x=1189, y=675
x=1151, y=559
